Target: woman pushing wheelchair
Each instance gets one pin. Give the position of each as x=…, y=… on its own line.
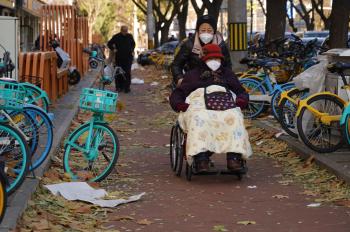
x=210, y=115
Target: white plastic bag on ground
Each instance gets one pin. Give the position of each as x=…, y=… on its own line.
x=137, y=81
x=81, y=191
x=313, y=78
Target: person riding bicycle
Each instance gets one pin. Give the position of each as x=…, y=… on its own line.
x=189, y=52
x=212, y=130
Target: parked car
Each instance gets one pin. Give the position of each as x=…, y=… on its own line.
x=325, y=43
x=166, y=48
x=311, y=35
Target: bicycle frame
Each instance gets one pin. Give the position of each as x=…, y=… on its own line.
x=96, y=118
x=271, y=87
x=323, y=117
x=285, y=95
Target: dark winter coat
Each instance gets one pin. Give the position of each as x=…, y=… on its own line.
x=124, y=44
x=186, y=60
x=202, y=77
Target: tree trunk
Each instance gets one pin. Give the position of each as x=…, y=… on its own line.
x=164, y=31
x=339, y=21
x=309, y=22
x=182, y=18
x=275, y=19
x=156, y=37
x=213, y=8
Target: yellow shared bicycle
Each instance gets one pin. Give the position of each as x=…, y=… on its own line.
x=3, y=195
x=314, y=118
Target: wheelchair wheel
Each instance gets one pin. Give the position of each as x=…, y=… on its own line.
x=179, y=150
x=188, y=172
x=172, y=152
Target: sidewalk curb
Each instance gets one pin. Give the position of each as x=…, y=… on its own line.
x=65, y=110
x=337, y=163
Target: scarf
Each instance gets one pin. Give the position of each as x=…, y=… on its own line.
x=197, y=47
x=217, y=76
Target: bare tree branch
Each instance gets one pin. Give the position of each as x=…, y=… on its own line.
x=141, y=6
x=199, y=10
x=262, y=6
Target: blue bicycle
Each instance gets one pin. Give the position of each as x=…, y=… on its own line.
x=265, y=92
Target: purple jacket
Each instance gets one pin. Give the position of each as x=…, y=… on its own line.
x=203, y=77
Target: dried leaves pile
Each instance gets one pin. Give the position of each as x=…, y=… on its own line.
x=316, y=181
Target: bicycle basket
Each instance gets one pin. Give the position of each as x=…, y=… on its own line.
x=12, y=95
x=96, y=100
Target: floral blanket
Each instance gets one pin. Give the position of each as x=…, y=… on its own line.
x=215, y=131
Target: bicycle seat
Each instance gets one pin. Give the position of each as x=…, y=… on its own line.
x=338, y=67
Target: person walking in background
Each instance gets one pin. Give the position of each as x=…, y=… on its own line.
x=123, y=45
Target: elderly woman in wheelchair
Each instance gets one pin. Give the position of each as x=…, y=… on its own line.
x=210, y=115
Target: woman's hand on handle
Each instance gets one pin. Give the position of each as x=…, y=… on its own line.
x=183, y=106
x=241, y=102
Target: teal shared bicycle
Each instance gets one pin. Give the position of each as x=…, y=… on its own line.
x=92, y=150
x=14, y=150
x=33, y=94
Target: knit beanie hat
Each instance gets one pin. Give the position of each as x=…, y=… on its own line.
x=211, y=51
x=206, y=19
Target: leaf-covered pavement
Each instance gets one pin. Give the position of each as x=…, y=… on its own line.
x=280, y=192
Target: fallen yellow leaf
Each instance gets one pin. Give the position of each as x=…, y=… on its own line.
x=246, y=223
x=280, y=196
x=144, y=222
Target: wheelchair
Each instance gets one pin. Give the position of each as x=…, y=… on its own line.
x=178, y=156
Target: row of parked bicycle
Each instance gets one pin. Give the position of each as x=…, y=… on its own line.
x=320, y=120
x=26, y=132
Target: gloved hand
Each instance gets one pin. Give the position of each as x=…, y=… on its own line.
x=182, y=106
x=242, y=103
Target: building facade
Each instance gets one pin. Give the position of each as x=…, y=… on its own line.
x=28, y=13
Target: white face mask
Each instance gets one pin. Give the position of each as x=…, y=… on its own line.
x=213, y=64
x=206, y=37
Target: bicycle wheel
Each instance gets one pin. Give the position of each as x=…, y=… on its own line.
x=97, y=163
x=316, y=135
x=345, y=128
x=255, y=108
x=74, y=77
x=44, y=133
x=276, y=98
x=14, y=152
x=287, y=110
x=36, y=97
x=3, y=195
